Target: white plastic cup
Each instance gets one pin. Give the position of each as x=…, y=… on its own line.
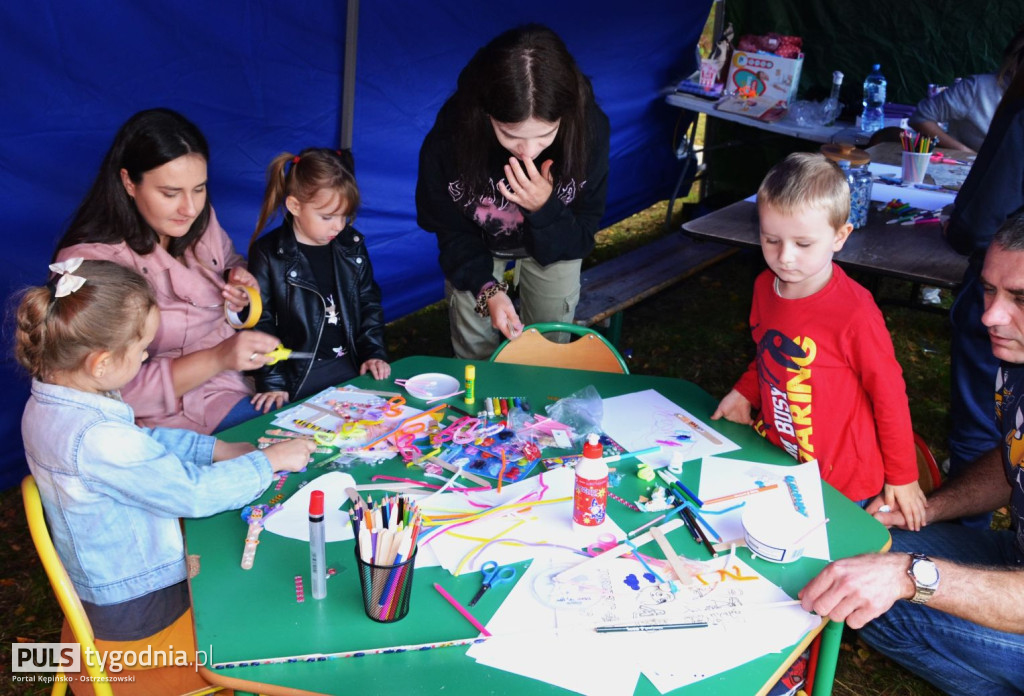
x=915, y=165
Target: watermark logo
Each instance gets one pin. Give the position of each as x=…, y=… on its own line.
x=46, y=657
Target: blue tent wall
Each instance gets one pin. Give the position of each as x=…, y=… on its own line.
x=259, y=78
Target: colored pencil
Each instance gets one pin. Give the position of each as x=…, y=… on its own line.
x=650, y=627
x=462, y=610
x=741, y=494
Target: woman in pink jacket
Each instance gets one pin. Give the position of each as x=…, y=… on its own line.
x=148, y=209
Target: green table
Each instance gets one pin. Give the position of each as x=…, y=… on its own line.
x=242, y=615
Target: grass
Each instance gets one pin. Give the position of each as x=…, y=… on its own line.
x=695, y=331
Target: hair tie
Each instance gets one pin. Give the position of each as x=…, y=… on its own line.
x=67, y=283
x=295, y=159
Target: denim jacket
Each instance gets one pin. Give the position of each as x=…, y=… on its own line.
x=113, y=492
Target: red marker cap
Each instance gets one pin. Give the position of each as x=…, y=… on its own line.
x=316, y=504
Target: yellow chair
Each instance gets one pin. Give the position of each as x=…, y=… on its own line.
x=588, y=351
x=148, y=681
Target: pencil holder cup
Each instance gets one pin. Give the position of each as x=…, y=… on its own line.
x=915, y=164
x=386, y=588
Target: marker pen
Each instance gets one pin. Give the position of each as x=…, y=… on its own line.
x=317, y=545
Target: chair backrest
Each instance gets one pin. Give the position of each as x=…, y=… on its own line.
x=588, y=351
x=67, y=596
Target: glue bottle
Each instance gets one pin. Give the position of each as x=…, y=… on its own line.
x=590, y=498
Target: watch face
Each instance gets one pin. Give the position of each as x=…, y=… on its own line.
x=926, y=573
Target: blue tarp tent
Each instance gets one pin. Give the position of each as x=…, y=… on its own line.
x=262, y=77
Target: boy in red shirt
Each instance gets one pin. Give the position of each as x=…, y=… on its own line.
x=825, y=378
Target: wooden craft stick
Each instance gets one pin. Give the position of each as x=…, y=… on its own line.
x=353, y=495
x=401, y=486
x=698, y=427
x=671, y=556
x=616, y=551
x=448, y=466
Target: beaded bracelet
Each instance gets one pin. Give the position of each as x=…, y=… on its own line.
x=489, y=291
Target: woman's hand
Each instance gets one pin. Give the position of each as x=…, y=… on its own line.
x=246, y=350
x=504, y=317
x=525, y=186
x=376, y=367
x=268, y=401
x=235, y=297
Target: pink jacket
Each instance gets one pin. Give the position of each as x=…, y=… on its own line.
x=191, y=319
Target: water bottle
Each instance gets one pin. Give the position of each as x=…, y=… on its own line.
x=832, y=106
x=873, y=117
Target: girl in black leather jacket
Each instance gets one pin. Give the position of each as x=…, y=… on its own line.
x=316, y=280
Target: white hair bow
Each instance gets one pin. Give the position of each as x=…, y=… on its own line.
x=68, y=282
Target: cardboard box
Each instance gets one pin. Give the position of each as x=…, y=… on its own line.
x=766, y=74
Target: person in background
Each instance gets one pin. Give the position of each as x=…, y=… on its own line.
x=148, y=209
x=992, y=193
x=969, y=639
x=515, y=168
x=825, y=378
x=113, y=491
x=315, y=279
x=968, y=105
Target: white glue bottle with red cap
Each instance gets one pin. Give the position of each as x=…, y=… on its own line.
x=590, y=498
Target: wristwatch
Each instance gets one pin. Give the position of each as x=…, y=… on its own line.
x=925, y=575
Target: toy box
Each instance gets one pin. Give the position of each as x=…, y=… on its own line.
x=764, y=74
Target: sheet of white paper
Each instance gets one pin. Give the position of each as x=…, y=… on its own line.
x=544, y=630
x=917, y=198
x=292, y=520
x=720, y=476
x=646, y=418
x=546, y=523
x=527, y=642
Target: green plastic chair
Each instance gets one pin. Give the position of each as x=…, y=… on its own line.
x=587, y=351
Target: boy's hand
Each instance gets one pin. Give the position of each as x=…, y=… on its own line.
x=290, y=456
x=376, y=367
x=734, y=407
x=268, y=401
x=910, y=500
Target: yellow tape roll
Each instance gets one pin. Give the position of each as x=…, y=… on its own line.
x=255, y=310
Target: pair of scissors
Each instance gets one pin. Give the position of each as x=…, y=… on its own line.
x=282, y=353
x=493, y=575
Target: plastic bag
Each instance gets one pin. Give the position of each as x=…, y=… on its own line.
x=582, y=411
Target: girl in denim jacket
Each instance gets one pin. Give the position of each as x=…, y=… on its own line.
x=113, y=491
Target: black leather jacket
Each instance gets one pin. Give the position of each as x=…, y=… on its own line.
x=295, y=311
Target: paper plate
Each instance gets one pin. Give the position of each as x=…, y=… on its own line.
x=431, y=385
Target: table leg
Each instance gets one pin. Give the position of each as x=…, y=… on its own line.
x=825, y=672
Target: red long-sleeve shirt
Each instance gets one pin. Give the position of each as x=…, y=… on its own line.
x=828, y=385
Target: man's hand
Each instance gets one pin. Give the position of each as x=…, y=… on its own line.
x=859, y=589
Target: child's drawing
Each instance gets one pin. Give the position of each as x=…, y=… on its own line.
x=645, y=419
